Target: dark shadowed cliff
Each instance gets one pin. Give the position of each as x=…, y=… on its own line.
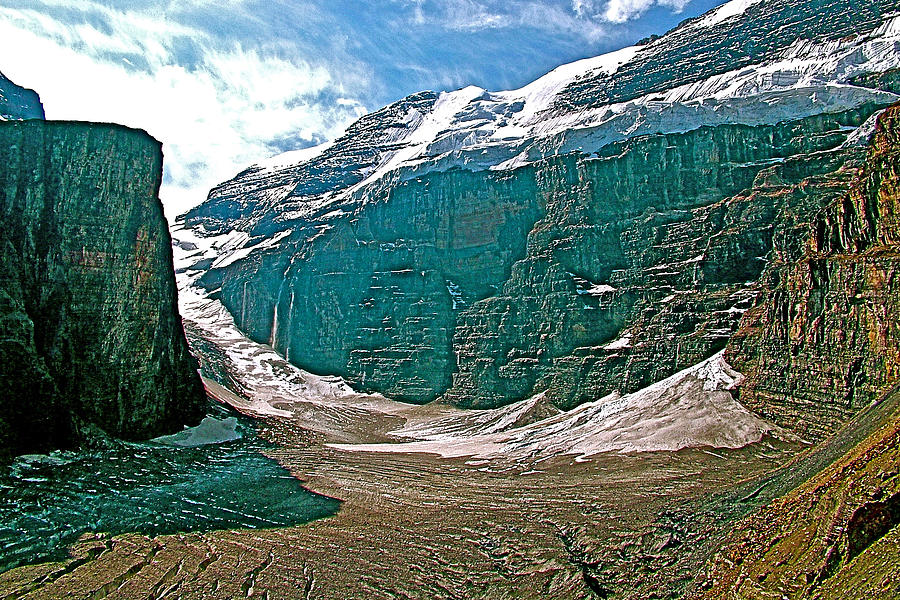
x=89, y=329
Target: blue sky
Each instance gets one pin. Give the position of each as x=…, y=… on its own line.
x=223, y=83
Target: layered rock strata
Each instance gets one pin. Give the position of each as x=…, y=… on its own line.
x=90, y=335
x=823, y=340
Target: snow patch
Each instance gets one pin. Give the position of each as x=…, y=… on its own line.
x=209, y=431
x=462, y=423
x=292, y=158
x=619, y=344
x=693, y=408
x=540, y=94
x=861, y=135
x=726, y=11
x=425, y=134
x=599, y=289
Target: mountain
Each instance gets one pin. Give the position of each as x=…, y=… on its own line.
x=596, y=231
x=90, y=335
x=18, y=103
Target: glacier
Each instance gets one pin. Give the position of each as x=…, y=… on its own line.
x=476, y=129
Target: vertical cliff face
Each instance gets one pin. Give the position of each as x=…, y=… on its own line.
x=89, y=328
x=578, y=275
x=597, y=230
x=823, y=339
x=642, y=264
x=18, y=103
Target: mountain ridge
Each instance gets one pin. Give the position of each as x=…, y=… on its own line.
x=482, y=106
x=482, y=247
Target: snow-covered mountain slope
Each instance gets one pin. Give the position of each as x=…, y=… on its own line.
x=596, y=230
x=586, y=105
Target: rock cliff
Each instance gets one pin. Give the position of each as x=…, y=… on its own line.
x=578, y=275
x=822, y=341
x=90, y=334
x=597, y=230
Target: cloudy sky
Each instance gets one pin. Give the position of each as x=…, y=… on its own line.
x=224, y=83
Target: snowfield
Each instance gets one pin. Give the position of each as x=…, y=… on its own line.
x=691, y=409
x=477, y=129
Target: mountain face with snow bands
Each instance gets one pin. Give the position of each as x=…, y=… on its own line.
x=612, y=223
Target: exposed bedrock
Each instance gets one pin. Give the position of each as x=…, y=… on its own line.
x=579, y=274
x=90, y=334
x=824, y=339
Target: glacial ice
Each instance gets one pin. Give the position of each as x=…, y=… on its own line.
x=477, y=129
x=726, y=11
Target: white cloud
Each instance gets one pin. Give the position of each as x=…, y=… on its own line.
x=587, y=19
x=584, y=8
x=228, y=108
x=418, y=13
x=621, y=11
x=469, y=14
x=476, y=15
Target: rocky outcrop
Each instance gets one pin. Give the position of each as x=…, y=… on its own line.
x=90, y=335
x=823, y=340
x=833, y=533
x=18, y=103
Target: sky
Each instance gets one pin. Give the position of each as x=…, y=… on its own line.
x=225, y=83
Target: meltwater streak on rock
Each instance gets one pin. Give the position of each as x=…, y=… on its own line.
x=90, y=335
x=48, y=502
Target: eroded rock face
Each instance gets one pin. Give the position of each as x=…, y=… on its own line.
x=823, y=339
x=579, y=275
x=90, y=334
x=642, y=264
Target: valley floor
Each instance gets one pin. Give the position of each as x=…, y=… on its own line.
x=417, y=525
